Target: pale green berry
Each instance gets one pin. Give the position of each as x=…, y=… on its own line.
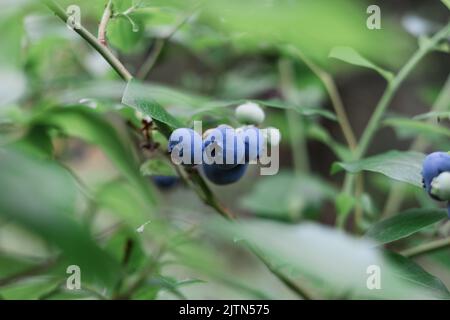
x=250, y=112
x=440, y=186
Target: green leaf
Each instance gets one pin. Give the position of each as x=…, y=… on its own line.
x=157, y=167
x=86, y=124
x=410, y=127
x=412, y=272
x=125, y=32
x=285, y=195
x=123, y=200
x=351, y=56
x=397, y=165
x=344, y=203
x=144, y=102
x=331, y=260
x=404, y=224
x=40, y=195
x=447, y=3
x=15, y=88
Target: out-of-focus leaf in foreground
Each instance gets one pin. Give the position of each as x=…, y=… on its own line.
x=404, y=224
x=86, y=124
x=397, y=165
x=328, y=258
x=285, y=195
x=40, y=195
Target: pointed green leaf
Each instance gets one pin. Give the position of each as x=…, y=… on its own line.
x=404, y=224
x=40, y=195
x=351, y=56
x=397, y=165
x=144, y=102
x=415, y=274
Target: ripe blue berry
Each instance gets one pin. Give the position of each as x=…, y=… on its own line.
x=165, y=182
x=434, y=164
x=223, y=176
x=254, y=142
x=186, y=145
x=223, y=148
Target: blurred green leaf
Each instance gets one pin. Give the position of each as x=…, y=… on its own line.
x=125, y=32
x=351, y=56
x=86, y=124
x=285, y=195
x=447, y=3
x=328, y=258
x=414, y=273
x=344, y=203
x=412, y=127
x=404, y=224
x=397, y=165
x=40, y=196
x=29, y=289
x=123, y=200
x=13, y=85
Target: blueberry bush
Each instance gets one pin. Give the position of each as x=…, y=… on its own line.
x=98, y=97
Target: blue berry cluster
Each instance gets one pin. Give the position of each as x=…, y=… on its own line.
x=436, y=176
x=224, y=153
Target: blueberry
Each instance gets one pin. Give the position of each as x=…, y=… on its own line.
x=165, y=182
x=254, y=142
x=221, y=176
x=185, y=140
x=223, y=148
x=434, y=164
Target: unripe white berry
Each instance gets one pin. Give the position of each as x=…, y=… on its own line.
x=272, y=135
x=250, y=112
x=440, y=186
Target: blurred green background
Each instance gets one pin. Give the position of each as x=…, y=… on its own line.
x=76, y=173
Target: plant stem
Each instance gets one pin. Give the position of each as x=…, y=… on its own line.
x=427, y=248
x=295, y=122
x=335, y=98
x=392, y=87
x=158, y=46
x=104, y=23
x=92, y=40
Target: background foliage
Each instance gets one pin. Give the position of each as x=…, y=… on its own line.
x=77, y=161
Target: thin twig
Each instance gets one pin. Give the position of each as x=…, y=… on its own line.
x=158, y=46
x=426, y=248
x=333, y=93
x=104, y=23
x=92, y=40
